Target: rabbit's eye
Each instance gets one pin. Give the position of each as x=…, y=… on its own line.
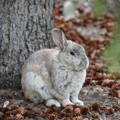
x=72, y=53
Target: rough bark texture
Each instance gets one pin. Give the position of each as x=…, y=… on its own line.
x=25, y=27
x=59, y=1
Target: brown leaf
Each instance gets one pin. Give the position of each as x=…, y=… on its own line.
x=95, y=116
x=77, y=111
x=84, y=110
x=19, y=117
x=96, y=107
x=69, y=108
x=77, y=118
x=1, y=115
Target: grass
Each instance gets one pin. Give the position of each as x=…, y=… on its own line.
x=112, y=52
x=99, y=7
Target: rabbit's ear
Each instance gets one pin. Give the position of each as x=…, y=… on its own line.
x=59, y=38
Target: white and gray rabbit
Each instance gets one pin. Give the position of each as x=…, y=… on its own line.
x=55, y=76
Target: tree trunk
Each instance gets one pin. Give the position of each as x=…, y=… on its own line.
x=25, y=27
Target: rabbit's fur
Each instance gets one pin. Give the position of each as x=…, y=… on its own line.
x=56, y=76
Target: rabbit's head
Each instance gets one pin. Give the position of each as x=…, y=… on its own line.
x=71, y=54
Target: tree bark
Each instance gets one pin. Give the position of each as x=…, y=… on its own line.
x=25, y=27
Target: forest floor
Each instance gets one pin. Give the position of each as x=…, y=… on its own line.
x=101, y=91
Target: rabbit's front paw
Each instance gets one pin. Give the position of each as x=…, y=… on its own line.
x=78, y=102
x=52, y=102
x=66, y=102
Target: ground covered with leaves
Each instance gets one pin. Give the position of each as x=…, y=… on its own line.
x=101, y=91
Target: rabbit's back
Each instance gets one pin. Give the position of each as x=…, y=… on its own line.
x=40, y=58
x=40, y=63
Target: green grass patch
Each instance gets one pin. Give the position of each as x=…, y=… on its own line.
x=112, y=52
x=99, y=7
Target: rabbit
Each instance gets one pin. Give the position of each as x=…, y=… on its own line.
x=55, y=75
